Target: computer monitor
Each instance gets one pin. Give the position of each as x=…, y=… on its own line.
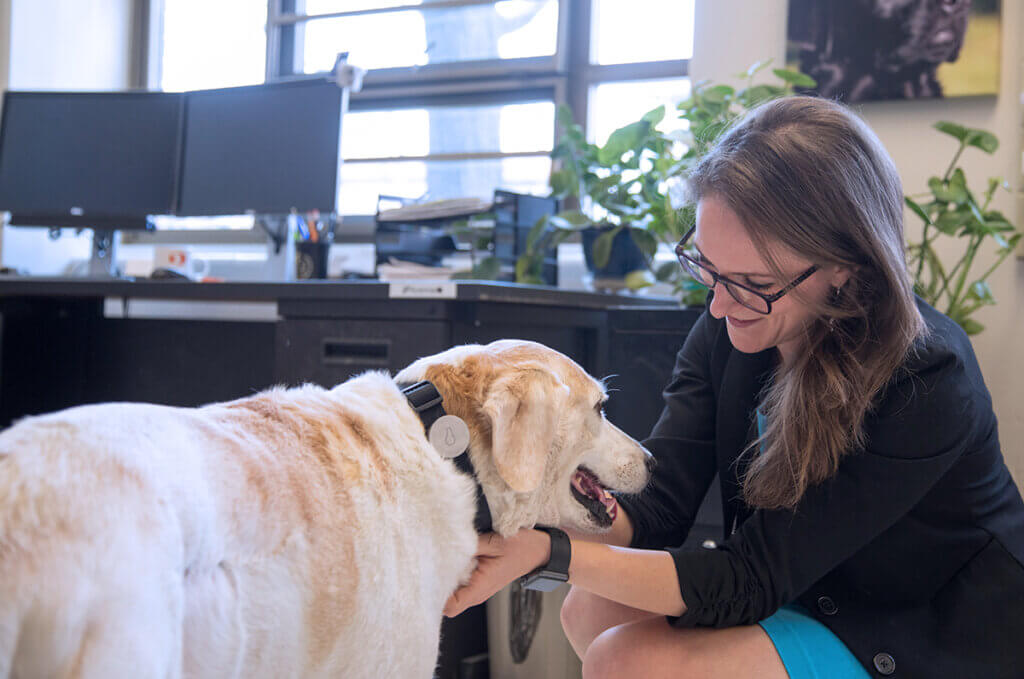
x=266, y=149
x=95, y=159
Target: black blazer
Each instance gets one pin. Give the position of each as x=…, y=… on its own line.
x=912, y=554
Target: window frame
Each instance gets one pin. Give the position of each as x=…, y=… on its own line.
x=565, y=77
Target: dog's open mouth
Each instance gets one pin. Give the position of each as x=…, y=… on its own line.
x=590, y=493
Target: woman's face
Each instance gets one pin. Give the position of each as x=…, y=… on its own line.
x=727, y=249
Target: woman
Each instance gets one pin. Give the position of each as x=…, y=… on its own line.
x=872, y=526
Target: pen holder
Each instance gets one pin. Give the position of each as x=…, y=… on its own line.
x=311, y=259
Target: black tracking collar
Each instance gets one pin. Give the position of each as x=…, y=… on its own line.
x=426, y=400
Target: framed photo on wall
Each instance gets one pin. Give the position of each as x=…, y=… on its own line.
x=864, y=50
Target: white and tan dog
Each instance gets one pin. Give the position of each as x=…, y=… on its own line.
x=296, y=533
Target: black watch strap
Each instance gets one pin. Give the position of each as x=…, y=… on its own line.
x=556, y=570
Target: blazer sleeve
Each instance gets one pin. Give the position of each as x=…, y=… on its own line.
x=683, y=445
x=925, y=422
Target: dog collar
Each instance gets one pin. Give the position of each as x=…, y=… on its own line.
x=449, y=435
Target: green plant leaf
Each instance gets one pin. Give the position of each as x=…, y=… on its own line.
x=917, y=209
x=952, y=129
x=626, y=138
x=558, y=222
x=752, y=96
x=986, y=141
x=667, y=271
x=623, y=210
x=939, y=190
x=950, y=222
x=1011, y=245
x=958, y=186
x=998, y=221
x=655, y=116
x=574, y=218
x=641, y=278
x=795, y=78
x=487, y=269
x=718, y=94
x=538, y=228
x=646, y=241
x=564, y=183
x=565, y=118
x=971, y=326
x=754, y=68
x=602, y=251
x=981, y=292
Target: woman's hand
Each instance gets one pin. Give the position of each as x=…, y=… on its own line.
x=499, y=562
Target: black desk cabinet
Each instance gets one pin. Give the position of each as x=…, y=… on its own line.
x=59, y=348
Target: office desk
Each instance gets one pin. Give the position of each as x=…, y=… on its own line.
x=64, y=343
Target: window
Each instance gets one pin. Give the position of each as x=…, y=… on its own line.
x=212, y=44
x=400, y=37
x=460, y=97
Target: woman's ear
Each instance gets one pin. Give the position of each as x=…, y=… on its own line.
x=839, y=276
x=524, y=422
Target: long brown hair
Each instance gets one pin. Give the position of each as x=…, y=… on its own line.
x=809, y=175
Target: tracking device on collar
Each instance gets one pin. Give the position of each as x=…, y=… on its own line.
x=556, y=571
x=447, y=433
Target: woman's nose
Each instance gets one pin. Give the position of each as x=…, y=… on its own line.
x=721, y=301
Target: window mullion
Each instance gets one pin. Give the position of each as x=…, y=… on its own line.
x=299, y=15
x=273, y=65
x=648, y=70
x=580, y=12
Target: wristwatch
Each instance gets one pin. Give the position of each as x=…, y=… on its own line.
x=556, y=570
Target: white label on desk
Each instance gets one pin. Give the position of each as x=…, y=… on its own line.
x=422, y=290
x=190, y=309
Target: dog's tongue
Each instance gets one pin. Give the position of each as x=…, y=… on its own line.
x=588, y=485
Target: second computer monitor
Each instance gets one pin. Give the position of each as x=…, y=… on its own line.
x=265, y=149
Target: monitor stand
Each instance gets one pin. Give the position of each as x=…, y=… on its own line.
x=281, y=231
x=103, y=260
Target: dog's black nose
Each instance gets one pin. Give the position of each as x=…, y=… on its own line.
x=651, y=463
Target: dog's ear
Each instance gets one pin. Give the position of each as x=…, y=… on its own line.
x=523, y=409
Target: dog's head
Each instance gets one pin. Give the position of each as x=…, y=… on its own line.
x=543, y=451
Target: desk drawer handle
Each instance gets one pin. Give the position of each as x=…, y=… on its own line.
x=361, y=351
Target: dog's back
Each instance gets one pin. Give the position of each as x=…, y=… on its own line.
x=279, y=535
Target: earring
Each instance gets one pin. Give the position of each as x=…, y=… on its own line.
x=834, y=297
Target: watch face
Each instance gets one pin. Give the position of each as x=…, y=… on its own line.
x=544, y=581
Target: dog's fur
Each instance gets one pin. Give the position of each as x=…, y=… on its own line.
x=296, y=533
x=858, y=50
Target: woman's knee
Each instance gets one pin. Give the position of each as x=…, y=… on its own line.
x=584, y=616
x=608, y=656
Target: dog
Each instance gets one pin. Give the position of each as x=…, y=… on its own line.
x=859, y=50
x=301, y=532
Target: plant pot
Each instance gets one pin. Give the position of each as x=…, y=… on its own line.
x=625, y=257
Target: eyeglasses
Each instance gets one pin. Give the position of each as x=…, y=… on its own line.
x=748, y=297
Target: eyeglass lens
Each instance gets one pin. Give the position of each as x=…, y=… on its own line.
x=747, y=298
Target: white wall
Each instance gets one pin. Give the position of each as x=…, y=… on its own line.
x=61, y=44
x=732, y=34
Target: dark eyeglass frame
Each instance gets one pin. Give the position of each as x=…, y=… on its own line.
x=717, y=278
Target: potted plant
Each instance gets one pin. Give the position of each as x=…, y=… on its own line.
x=952, y=210
x=631, y=183
x=602, y=182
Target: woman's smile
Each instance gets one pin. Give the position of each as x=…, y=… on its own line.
x=740, y=323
